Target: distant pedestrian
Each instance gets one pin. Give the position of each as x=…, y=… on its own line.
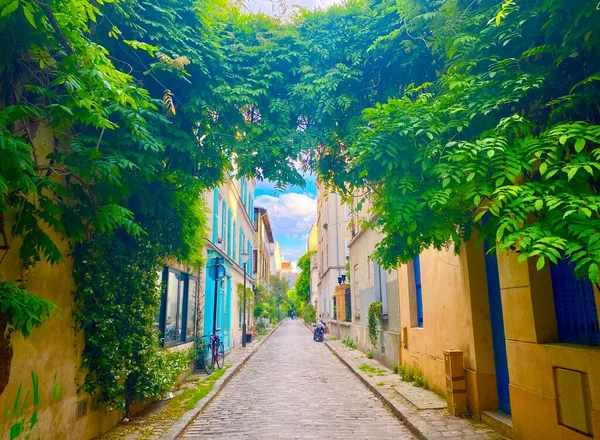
x=293, y=314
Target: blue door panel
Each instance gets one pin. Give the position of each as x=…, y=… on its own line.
x=498, y=337
x=418, y=291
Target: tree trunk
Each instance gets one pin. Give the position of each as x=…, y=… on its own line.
x=6, y=354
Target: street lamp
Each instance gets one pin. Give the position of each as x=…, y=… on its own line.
x=245, y=257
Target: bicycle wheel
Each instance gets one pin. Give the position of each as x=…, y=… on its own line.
x=209, y=359
x=221, y=356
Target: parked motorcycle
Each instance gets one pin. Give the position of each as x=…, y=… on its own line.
x=319, y=332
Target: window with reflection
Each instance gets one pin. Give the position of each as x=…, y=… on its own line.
x=177, y=317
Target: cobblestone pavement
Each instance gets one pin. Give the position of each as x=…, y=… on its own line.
x=295, y=388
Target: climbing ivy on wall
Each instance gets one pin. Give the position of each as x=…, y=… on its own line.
x=374, y=321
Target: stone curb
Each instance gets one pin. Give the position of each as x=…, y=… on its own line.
x=177, y=429
x=402, y=415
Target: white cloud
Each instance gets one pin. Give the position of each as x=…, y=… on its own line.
x=291, y=214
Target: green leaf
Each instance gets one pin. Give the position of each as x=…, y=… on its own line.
x=16, y=430
x=540, y=263
x=56, y=391
x=572, y=173
x=543, y=168
x=563, y=139
x=29, y=16
x=593, y=273
x=9, y=8
x=539, y=204
x=579, y=145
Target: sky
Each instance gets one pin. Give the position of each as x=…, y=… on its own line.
x=292, y=213
x=274, y=7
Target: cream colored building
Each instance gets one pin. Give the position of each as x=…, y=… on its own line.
x=333, y=239
x=276, y=259
x=313, y=240
x=264, y=241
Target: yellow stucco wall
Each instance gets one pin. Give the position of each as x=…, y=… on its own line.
x=53, y=352
x=534, y=354
x=455, y=317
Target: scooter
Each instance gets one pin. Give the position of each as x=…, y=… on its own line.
x=319, y=332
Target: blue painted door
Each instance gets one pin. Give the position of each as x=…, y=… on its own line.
x=575, y=306
x=209, y=304
x=227, y=316
x=497, y=321
x=418, y=291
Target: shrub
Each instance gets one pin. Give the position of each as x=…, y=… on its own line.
x=349, y=342
x=370, y=355
x=412, y=375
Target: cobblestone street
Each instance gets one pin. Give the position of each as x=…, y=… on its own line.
x=295, y=388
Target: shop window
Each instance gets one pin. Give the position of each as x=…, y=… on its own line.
x=177, y=319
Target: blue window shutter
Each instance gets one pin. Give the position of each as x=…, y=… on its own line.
x=229, y=218
x=250, y=258
x=418, y=291
x=215, y=229
x=223, y=220
x=574, y=305
x=383, y=284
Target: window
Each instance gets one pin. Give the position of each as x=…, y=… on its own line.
x=347, y=247
x=215, y=225
x=348, y=304
x=177, y=321
x=346, y=213
x=418, y=291
x=249, y=269
x=380, y=276
x=234, y=245
x=240, y=316
x=241, y=245
x=223, y=224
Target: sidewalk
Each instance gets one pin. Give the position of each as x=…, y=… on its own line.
x=167, y=419
x=421, y=410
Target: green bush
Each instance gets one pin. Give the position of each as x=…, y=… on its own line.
x=370, y=355
x=309, y=314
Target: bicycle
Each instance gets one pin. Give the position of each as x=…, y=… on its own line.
x=213, y=353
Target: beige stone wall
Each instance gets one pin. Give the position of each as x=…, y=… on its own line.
x=455, y=317
x=539, y=366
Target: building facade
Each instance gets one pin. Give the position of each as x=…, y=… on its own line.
x=289, y=274
x=231, y=236
x=333, y=240
x=264, y=242
x=276, y=259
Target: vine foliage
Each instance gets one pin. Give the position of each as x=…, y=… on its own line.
x=374, y=321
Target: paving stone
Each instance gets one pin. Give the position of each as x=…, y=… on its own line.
x=294, y=388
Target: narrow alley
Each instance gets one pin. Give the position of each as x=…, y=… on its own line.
x=295, y=388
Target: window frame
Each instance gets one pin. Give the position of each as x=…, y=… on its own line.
x=182, y=277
